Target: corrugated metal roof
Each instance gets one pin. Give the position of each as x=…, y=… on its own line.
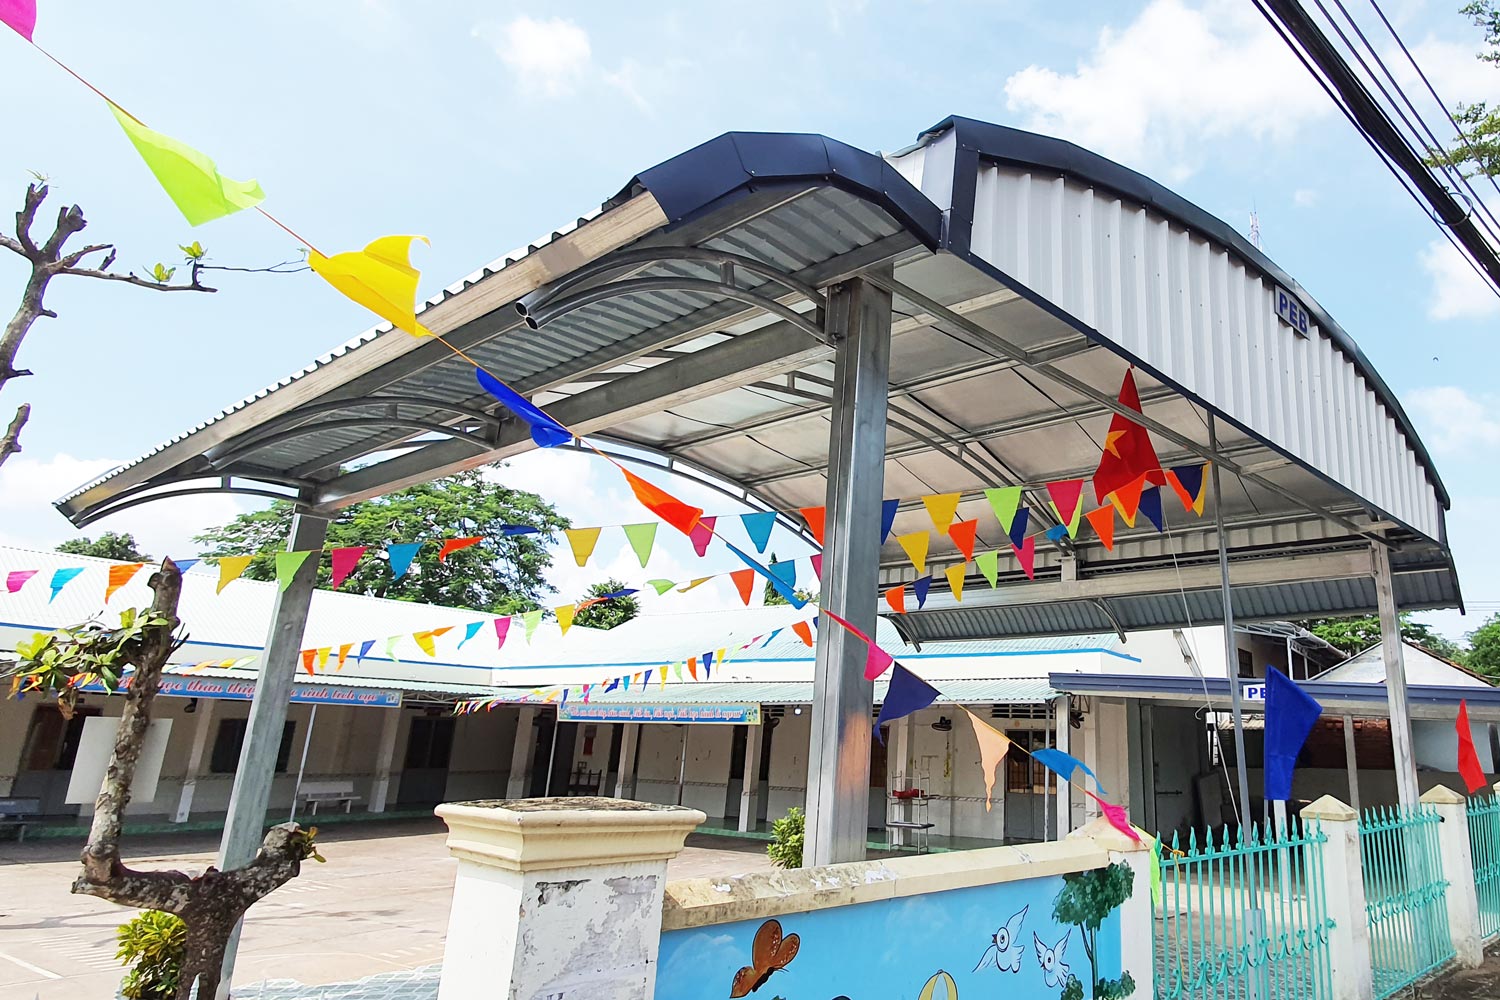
x=404, y=684
x=974, y=691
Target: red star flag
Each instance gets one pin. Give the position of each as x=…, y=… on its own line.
x=1128, y=453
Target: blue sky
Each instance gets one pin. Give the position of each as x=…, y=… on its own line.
x=483, y=125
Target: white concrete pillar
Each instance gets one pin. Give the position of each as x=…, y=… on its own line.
x=521, y=753
x=1061, y=708
x=385, y=758
x=630, y=736
x=201, y=728
x=750, y=780
x=1137, y=913
x=534, y=875
x=1344, y=891
x=1458, y=871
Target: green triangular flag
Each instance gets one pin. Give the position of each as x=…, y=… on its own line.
x=287, y=564
x=1155, y=869
x=531, y=620
x=390, y=648
x=190, y=179
x=661, y=586
x=677, y=668
x=641, y=537
x=989, y=565
x=1004, y=502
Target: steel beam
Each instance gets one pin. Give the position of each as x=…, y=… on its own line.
x=1231, y=644
x=250, y=796
x=838, y=767
x=1392, y=653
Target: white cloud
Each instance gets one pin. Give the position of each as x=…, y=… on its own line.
x=1454, y=69
x=1458, y=292
x=551, y=57
x=28, y=486
x=1304, y=197
x=1175, y=76
x=1454, y=421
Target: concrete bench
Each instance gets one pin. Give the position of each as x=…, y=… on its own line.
x=316, y=793
x=18, y=813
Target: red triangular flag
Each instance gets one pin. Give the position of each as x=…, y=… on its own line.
x=344, y=561
x=1026, y=555
x=1103, y=522
x=452, y=545
x=664, y=505
x=815, y=517
x=896, y=598
x=1128, y=452
x=804, y=632
x=1066, y=495
x=1469, y=767
x=744, y=582
x=962, y=533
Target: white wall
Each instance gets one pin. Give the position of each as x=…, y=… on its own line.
x=707, y=778
x=1435, y=744
x=788, y=774
x=480, y=763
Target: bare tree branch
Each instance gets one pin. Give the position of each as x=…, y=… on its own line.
x=132, y=279
x=35, y=195
x=11, y=443
x=72, y=259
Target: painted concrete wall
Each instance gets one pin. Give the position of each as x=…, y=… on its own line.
x=707, y=779
x=480, y=763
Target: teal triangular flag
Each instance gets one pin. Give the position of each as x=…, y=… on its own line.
x=758, y=526
x=470, y=631
x=61, y=578
x=401, y=555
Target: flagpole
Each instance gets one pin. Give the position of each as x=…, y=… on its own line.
x=1231, y=648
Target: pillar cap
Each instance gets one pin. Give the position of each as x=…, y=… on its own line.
x=1103, y=833
x=1441, y=795
x=536, y=834
x=1330, y=809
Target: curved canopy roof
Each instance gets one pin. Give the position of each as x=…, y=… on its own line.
x=683, y=319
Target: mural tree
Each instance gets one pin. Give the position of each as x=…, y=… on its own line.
x=1086, y=899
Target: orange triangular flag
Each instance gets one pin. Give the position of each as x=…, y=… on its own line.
x=815, y=518
x=915, y=546
x=941, y=507
x=744, y=582
x=119, y=576
x=993, y=746
x=896, y=598
x=343, y=654
x=963, y=534
x=1103, y=522
x=307, y=659
x=664, y=505
x=582, y=542
x=1127, y=499
x=693, y=667
x=956, y=574
x=804, y=632
x=452, y=545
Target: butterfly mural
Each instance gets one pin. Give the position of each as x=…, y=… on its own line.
x=1054, y=969
x=771, y=952
x=1006, y=946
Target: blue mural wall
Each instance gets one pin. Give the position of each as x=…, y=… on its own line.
x=975, y=943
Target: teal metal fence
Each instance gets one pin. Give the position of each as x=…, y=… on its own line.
x=1484, y=845
x=1244, y=916
x=1405, y=895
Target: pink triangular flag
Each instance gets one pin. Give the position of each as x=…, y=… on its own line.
x=344, y=561
x=817, y=565
x=502, y=628
x=16, y=579
x=1116, y=816
x=702, y=534
x=877, y=662
x=1026, y=556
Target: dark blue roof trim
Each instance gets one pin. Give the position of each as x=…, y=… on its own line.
x=1147, y=685
x=976, y=140
x=709, y=176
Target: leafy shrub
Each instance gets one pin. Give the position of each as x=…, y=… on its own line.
x=154, y=945
x=785, y=848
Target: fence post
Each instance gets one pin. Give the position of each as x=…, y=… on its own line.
x=1344, y=884
x=1137, y=913
x=558, y=897
x=1458, y=870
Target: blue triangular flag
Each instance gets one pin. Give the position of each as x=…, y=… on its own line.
x=470, y=631
x=613, y=684
x=1058, y=533
x=401, y=555
x=1290, y=715
x=708, y=663
x=922, y=586
x=646, y=678
x=786, y=572
x=564, y=696
x=758, y=526
x=775, y=578
x=1151, y=507
x=546, y=432
x=61, y=577
x=907, y=693
x=769, y=638
x=1018, y=526
x=1065, y=764
x=619, y=593
x=518, y=529
x=184, y=565
x=364, y=648
x=887, y=518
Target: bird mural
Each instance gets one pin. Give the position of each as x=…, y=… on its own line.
x=1006, y=945
x=1054, y=969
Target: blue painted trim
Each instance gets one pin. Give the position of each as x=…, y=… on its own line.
x=806, y=659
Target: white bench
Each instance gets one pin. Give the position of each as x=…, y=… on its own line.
x=18, y=813
x=316, y=793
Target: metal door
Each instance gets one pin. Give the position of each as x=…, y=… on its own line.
x=424, y=774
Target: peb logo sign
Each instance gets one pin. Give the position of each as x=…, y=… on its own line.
x=1291, y=312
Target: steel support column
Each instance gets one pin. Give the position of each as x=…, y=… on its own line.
x=1391, y=651
x=838, y=765
x=1231, y=642
x=251, y=795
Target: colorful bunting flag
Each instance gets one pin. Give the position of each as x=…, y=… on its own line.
x=817, y=565
x=877, y=661
x=307, y=660
x=942, y=508
x=1128, y=452
x=915, y=546
x=16, y=579
x=1116, y=816
x=1018, y=526
x=230, y=570
x=758, y=528
x=502, y=629
x=815, y=517
x=364, y=650
x=989, y=565
x=679, y=515
x=1026, y=556
x=702, y=534
x=993, y=746
x=343, y=561
x=888, y=510
x=287, y=564
x=1291, y=714
x=425, y=642
x=453, y=545
x=470, y=631
x=191, y=180
x=1469, y=767
x=509, y=530
x=1102, y=520
x=1056, y=533
x=119, y=576
x=565, y=615
x=1127, y=499
x=323, y=652
x=956, y=574
x=642, y=537
x=786, y=572
x=1150, y=505
x=1004, y=501
x=804, y=632
x=920, y=586
x=964, y=534
x=895, y=597
x=779, y=580
x=344, y=655
x=1189, y=482
x=20, y=15
x=531, y=620
x=183, y=565
x=401, y=555
x=661, y=586
x=692, y=584
x=1065, y=764
x=692, y=666
x=1067, y=502
x=62, y=577
x=545, y=432
x=582, y=542
x=906, y=694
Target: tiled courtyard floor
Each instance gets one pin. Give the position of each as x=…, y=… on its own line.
x=379, y=909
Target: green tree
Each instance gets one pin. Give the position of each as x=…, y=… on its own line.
x=608, y=614
x=1484, y=648
x=1354, y=635
x=1478, y=152
x=1086, y=899
x=502, y=574
x=107, y=546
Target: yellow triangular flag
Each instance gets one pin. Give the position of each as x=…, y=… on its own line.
x=956, y=574
x=941, y=507
x=993, y=746
x=582, y=542
x=565, y=616
x=915, y=546
x=379, y=277
x=230, y=569
x=323, y=653
x=191, y=180
x=425, y=641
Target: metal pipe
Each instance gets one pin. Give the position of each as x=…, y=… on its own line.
x=312, y=719
x=682, y=763
x=552, y=754
x=1392, y=652
x=1231, y=648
